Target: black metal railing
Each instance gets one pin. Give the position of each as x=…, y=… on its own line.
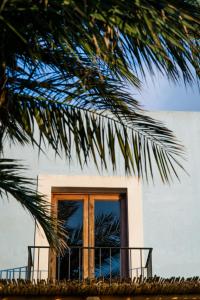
x=78, y=263
x=14, y=273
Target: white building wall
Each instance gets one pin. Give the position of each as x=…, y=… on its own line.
x=170, y=213
x=135, y=218
x=135, y=221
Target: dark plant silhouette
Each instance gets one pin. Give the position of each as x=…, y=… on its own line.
x=65, y=69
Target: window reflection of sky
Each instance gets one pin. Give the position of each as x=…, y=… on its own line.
x=107, y=234
x=76, y=220
x=107, y=217
x=71, y=213
x=107, y=207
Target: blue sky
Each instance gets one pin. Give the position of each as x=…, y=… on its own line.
x=160, y=94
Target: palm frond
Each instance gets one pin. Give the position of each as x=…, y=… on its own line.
x=120, y=37
x=107, y=230
x=78, y=55
x=96, y=129
x=12, y=183
x=64, y=66
x=68, y=67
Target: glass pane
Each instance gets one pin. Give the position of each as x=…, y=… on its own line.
x=107, y=235
x=71, y=214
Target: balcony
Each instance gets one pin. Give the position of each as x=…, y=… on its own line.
x=80, y=263
x=14, y=273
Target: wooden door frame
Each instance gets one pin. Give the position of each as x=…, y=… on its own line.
x=87, y=190
x=89, y=195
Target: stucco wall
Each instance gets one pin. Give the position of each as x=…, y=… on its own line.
x=134, y=203
x=135, y=222
x=170, y=213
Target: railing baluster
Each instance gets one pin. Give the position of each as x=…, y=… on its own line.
x=99, y=262
x=33, y=263
x=138, y=265
x=58, y=273
x=141, y=261
x=69, y=264
x=38, y=263
x=48, y=267
x=120, y=264
x=130, y=265
x=29, y=264
x=82, y=263
x=26, y=274
x=79, y=264
x=110, y=266
x=150, y=265
x=88, y=261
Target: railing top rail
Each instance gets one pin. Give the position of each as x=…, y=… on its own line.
x=126, y=263
x=96, y=247
x=13, y=269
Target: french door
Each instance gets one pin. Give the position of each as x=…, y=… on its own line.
x=96, y=223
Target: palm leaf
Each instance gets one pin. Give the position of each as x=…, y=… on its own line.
x=121, y=37
x=142, y=141
x=12, y=183
x=64, y=66
x=72, y=58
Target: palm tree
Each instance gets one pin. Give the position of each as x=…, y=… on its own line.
x=65, y=68
x=13, y=183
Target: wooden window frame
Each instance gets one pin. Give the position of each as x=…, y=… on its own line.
x=89, y=196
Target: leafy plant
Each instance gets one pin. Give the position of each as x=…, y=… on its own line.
x=13, y=183
x=65, y=68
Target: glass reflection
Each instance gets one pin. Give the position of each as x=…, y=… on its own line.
x=71, y=214
x=107, y=234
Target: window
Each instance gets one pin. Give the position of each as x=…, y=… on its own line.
x=96, y=222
